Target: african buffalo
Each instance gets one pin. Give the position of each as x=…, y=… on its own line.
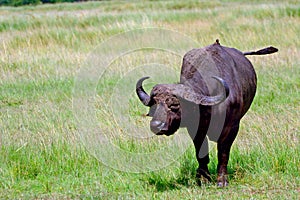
x=216, y=88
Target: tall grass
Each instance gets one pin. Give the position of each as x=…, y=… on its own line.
x=41, y=51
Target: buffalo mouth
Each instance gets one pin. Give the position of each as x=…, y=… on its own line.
x=164, y=132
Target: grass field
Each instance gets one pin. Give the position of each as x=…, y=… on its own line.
x=42, y=49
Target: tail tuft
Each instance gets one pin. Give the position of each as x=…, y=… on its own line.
x=268, y=50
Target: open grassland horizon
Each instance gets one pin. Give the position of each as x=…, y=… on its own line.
x=42, y=49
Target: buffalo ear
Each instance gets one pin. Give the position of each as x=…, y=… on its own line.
x=188, y=94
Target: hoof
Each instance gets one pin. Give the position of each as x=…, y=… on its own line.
x=222, y=181
x=202, y=175
x=222, y=184
x=200, y=180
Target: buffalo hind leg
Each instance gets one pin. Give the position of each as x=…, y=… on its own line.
x=224, y=146
x=203, y=160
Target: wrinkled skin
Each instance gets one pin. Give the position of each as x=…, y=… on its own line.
x=189, y=103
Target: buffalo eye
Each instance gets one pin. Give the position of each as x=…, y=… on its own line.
x=173, y=104
x=174, y=108
x=172, y=101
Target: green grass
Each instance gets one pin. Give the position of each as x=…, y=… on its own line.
x=41, y=51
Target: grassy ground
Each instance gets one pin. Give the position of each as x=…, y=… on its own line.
x=41, y=51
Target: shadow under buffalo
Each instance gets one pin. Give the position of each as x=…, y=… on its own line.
x=185, y=178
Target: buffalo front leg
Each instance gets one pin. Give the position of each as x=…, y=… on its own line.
x=224, y=145
x=203, y=160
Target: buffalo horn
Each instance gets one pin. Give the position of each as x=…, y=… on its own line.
x=143, y=96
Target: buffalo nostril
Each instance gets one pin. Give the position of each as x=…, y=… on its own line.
x=156, y=126
x=156, y=123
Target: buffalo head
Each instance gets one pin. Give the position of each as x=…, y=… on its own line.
x=165, y=107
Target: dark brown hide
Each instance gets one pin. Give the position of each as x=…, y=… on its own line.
x=198, y=102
